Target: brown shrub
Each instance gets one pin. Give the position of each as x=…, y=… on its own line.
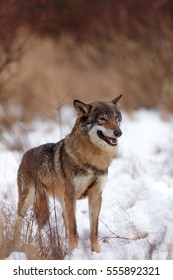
x=53, y=244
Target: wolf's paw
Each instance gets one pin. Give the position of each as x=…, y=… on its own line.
x=73, y=244
x=96, y=247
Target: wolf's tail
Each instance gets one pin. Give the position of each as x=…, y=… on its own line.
x=41, y=207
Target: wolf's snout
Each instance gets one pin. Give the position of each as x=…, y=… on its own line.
x=117, y=133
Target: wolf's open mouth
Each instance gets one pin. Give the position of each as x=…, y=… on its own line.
x=109, y=140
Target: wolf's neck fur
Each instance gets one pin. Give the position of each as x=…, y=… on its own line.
x=83, y=151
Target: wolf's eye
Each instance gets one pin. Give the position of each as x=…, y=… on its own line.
x=117, y=118
x=102, y=119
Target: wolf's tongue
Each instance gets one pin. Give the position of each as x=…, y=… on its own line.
x=112, y=141
x=109, y=140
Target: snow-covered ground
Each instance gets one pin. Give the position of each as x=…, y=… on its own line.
x=136, y=220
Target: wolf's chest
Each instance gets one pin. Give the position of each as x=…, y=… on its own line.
x=84, y=182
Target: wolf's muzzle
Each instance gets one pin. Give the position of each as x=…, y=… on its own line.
x=117, y=133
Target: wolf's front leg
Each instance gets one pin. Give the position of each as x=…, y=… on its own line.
x=95, y=201
x=70, y=214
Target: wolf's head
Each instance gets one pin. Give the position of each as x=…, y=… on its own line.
x=101, y=121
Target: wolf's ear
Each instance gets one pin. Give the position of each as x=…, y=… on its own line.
x=81, y=108
x=115, y=101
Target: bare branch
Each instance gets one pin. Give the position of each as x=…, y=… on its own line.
x=136, y=237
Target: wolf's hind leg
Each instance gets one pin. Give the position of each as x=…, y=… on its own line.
x=25, y=200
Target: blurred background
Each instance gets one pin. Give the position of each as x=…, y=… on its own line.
x=54, y=51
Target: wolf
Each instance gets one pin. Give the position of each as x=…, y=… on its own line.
x=76, y=167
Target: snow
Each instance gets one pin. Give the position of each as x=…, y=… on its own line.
x=17, y=256
x=136, y=216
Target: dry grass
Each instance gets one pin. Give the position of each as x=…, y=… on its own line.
x=6, y=233
x=52, y=242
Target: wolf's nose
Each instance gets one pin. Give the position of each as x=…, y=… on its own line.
x=117, y=133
